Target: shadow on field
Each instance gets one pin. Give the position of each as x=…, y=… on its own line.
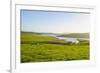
x=49, y=42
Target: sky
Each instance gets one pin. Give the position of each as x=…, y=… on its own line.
x=54, y=22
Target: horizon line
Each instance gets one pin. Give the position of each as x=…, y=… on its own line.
x=54, y=32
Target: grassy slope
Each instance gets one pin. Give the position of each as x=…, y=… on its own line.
x=76, y=35
x=51, y=52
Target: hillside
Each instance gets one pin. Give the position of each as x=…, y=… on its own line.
x=76, y=35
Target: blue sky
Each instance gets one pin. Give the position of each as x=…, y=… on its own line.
x=54, y=22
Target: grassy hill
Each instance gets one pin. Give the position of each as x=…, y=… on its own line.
x=50, y=52
x=76, y=35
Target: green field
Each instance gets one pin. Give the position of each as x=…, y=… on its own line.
x=35, y=48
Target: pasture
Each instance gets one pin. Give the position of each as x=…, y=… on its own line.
x=36, y=48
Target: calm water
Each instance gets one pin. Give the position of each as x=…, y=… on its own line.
x=68, y=39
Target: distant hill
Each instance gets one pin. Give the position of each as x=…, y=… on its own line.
x=27, y=32
x=75, y=35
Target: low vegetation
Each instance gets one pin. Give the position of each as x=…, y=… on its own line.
x=76, y=35
x=35, y=48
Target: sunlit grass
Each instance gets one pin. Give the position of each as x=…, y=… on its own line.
x=51, y=52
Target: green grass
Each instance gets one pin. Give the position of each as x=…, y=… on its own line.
x=51, y=52
x=25, y=37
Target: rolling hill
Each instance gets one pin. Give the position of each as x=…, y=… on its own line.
x=75, y=35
